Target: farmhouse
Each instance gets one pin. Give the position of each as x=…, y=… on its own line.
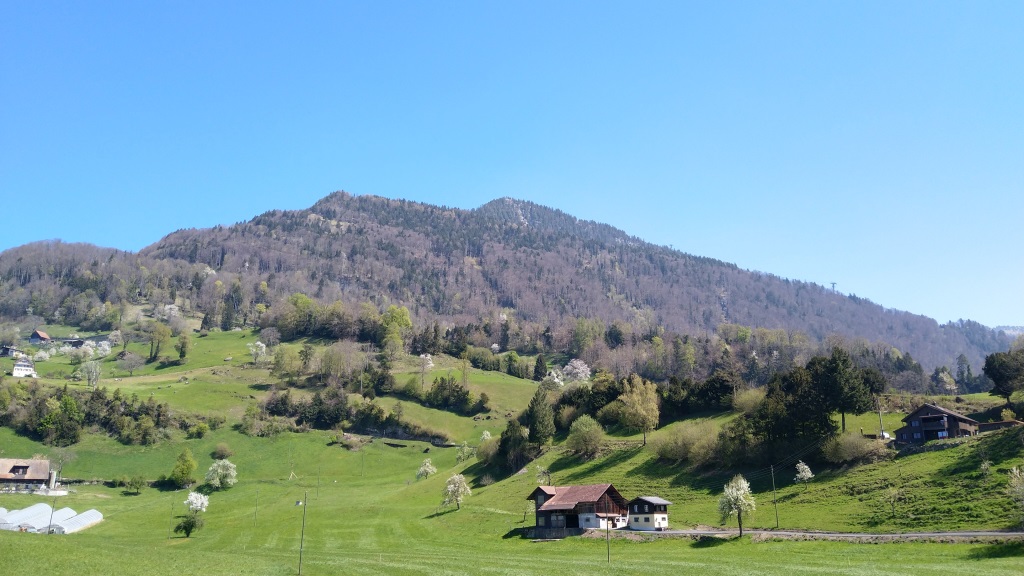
x=26, y=472
x=38, y=337
x=578, y=507
x=648, y=513
x=24, y=368
x=10, y=352
x=931, y=422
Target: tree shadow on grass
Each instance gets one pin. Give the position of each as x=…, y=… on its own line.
x=440, y=513
x=712, y=541
x=262, y=387
x=1003, y=550
x=599, y=466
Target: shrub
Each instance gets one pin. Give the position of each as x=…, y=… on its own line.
x=852, y=448
x=487, y=450
x=585, y=436
x=746, y=401
x=198, y=430
x=695, y=442
x=222, y=451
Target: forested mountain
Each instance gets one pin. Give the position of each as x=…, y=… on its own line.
x=541, y=267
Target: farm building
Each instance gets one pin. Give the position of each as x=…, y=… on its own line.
x=76, y=523
x=930, y=422
x=38, y=337
x=24, y=368
x=578, y=507
x=19, y=472
x=648, y=513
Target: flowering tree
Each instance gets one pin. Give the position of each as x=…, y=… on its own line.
x=192, y=521
x=464, y=453
x=1015, y=489
x=426, y=363
x=455, y=489
x=575, y=370
x=485, y=436
x=222, y=474
x=803, y=473
x=736, y=500
x=426, y=470
x=91, y=371
x=258, y=350
x=197, y=502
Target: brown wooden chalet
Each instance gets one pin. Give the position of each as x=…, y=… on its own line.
x=563, y=510
x=18, y=471
x=38, y=336
x=931, y=422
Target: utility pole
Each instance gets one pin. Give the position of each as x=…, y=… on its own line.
x=302, y=538
x=775, y=499
x=881, y=427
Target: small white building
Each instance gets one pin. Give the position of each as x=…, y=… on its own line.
x=24, y=368
x=648, y=513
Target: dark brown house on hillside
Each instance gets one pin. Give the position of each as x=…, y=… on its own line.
x=931, y=422
x=563, y=508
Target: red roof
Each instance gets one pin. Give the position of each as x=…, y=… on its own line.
x=567, y=497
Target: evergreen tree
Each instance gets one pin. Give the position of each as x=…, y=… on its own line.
x=541, y=418
x=540, y=368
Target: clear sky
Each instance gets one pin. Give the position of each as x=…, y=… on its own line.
x=877, y=145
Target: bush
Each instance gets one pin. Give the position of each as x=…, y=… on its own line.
x=585, y=436
x=746, y=401
x=566, y=416
x=487, y=450
x=853, y=448
x=222, y=451
x=695, y=442
x=198, y=431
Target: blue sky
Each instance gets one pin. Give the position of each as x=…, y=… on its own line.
x=877, y=145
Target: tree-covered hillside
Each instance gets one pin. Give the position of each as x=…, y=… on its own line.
x=457, y=267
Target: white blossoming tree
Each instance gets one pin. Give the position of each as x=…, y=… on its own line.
x=736, y=500
x=221, y=475
x=91, y=372
x=803, y=474
x=1015, y=489
x=426, y=364
x=455, y=489
x=192, y=521
x=258, y=351
x=575, y=370
x=426, y=470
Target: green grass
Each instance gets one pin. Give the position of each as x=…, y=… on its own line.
x=367, y=514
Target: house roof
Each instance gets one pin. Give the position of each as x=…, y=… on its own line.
x=941, y=410
x=42, y=335
x=651, y=500
x=37, y=469
x=567, y=497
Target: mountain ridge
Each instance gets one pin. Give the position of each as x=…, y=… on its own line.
x=546, y=266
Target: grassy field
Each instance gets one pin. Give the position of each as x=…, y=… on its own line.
x=367, y=514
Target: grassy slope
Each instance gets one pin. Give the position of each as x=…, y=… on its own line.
x=367, y=514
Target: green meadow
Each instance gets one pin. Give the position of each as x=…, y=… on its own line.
x=366, y=513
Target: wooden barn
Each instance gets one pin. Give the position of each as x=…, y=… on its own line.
x=576, y=508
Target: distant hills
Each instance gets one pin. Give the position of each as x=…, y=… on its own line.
x=461, y=266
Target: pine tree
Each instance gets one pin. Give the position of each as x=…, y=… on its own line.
x=541, y=418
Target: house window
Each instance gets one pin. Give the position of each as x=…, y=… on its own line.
x=636, y=519
x=943, y=434
x=903, y=436
x=915, y=422
x=540, y=499
x=540, y=520
x=917, y=435
x=19, y=470
x=647, y=519
x=645, y=508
